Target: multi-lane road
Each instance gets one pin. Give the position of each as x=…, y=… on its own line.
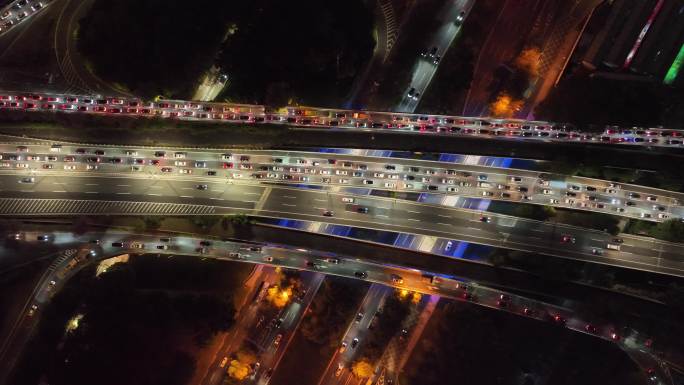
x=324, y=118
x=446, y=182
x=100, y=245
x=450, y=19
x=88, y=195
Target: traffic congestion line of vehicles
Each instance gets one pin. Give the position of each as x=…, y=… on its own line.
x=311, y=117
x=344, y=172
x=18, y=11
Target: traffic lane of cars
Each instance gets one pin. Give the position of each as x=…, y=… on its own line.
x=18, y=11
x=191, y=111
x=177, y=188
x=467, y=186
x=401, y=216
x=316, y=161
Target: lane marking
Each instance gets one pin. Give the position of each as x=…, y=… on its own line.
x=415, y=220
x=186, y=196
x=124, y=193
x=155, y=194
x=59, y=191
x=444, y=224
x=287, y=204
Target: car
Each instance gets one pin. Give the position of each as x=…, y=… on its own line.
x=589, y=328
x=200, y=164
x=547, y=191
x=166, y=169
x=362, y=210
x=32, y=310
x=277, y=339
x=559, y=320
x=117, y=244
x=27, y=180
x=201, y=187
x=633, y=195
x=651, y=198
x=412, y=94
x=48, y=166
x=590, y=188
x=70, y=167
x=328, y=213
x=185, y=171
x=568, y=238
x=180, y=163
x=596, y=251
x=91, y=167
x=224, y=361
x=397, y=279
x=162, y=247
x=354, y=343
x=452, y=189
x=137, y=245
x=529, y=312
x=485, y=219
x=340, y=368
x=460, y=17
x=361, y=274
x=348, y=200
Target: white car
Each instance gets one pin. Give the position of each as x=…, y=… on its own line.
x=180, y=163
x=430, y=172
x=301, y=161
x=547, y=191
x=652, y=198
x=185, y=171
x=295, y=169
x=408, y=186
x=390, y=185
x=91, y=167
x=663, y=216
x=348, y=200
x=452, y=189
x=131, y=153
x=344, y=181
x=34, y=158
x=179, y=155
x=341, y=172
x=325, y=172
x=70, y=167
x=393, y=176
x=22, y=165
x=553, y=201
x=226, y=156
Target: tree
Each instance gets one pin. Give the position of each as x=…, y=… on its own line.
x=279, y=297
x=528, y=61
x=362, y=369
x=671, y=230
x=241, y=365
x=504, y=106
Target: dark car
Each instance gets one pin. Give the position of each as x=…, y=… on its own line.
x=360, y=274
